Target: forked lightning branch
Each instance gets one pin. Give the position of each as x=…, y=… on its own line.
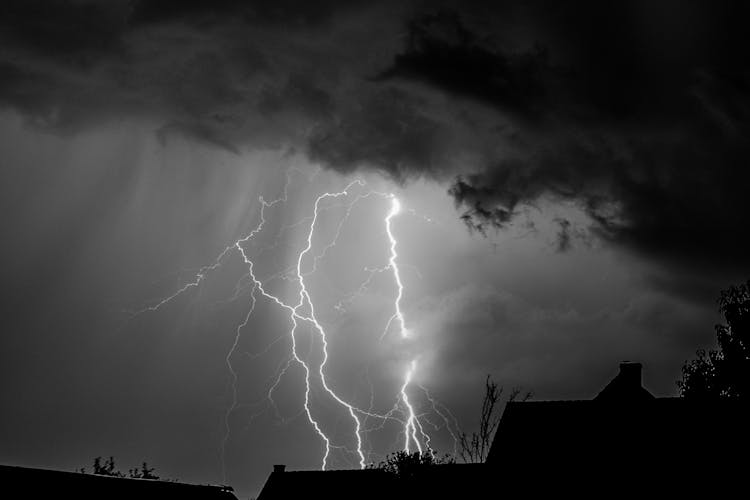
x=301, y=311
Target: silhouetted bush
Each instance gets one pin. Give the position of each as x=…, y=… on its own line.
x=404, y=465
x=107, y=468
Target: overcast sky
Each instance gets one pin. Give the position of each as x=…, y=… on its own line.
x=573, y=180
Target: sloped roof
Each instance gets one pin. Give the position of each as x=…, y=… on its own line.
x=434, y=482
x=624, y=442
x=624, y=436
x=326, y=484
x=44, y=483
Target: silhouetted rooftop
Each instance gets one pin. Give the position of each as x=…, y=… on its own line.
x=26, y=482
x=623, y=441
x=623, y=436
x=438, y=481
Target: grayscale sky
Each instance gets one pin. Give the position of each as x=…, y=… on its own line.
x=572, y=181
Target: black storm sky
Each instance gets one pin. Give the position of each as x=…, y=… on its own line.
x=573, y=184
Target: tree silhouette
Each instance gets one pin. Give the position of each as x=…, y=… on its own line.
x=723, y=372
x=474, y=448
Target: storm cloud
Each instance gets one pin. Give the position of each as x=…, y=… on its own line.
x=636, y=112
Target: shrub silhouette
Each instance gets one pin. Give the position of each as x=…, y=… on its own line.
x=108, y=468
x=405, y=465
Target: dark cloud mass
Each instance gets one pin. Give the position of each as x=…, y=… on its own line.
x=635, y=111
x=639, y=114
x=442, y=52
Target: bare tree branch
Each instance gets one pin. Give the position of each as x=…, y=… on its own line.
x=476, y=447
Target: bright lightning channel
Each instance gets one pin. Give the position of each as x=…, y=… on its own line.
x=303, y=311
x=410, y=429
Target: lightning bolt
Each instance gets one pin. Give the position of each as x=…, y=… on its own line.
x=412, y=423
x=297, y=317
x=302, y=312
x=446, y=415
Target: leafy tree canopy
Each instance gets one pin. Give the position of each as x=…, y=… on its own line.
x=723, y=372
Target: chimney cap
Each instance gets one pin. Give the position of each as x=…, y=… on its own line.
x=630, y=365
x=279, y=468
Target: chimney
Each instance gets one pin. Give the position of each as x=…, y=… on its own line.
x=630, y=374
x=626, y=386
x=279, y=468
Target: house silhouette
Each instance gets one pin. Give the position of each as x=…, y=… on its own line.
x=24, y=482
x=436, y=481
x=624, y=442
